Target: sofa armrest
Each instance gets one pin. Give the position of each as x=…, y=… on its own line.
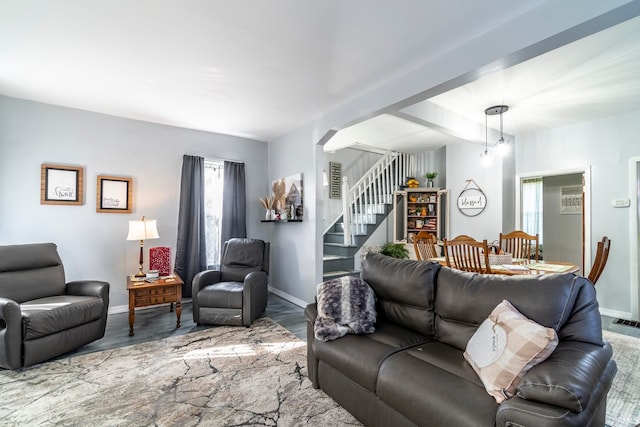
x=10, y=334
x=568, y=377
x=203, y=279
x=91, y=288
x=256, y=278
x=310, y=314
x=254, y=295
x=522, y=412
x=200, y=280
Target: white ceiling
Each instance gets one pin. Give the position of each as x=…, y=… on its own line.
x=259, y=69
x=249, y=68
x=595, y=77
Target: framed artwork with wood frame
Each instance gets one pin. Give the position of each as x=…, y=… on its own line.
x=61, y=185
x=114, y=194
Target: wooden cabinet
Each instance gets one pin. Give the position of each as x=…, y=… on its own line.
x=421, y=209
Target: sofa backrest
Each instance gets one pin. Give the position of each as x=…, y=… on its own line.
x=564, y=302
x=242, y=256
x=404, y=289
x=30, y=271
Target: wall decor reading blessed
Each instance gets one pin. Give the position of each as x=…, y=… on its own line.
x=472, y=200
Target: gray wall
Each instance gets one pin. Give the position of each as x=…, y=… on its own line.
x=93, y=245
x=296, y=245
x=562, y=233
x=604, y=147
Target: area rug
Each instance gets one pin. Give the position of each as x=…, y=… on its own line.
x=623, y=400
x=222, y=376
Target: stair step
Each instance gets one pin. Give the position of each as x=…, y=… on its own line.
x=330, y=257
x=340, y=245
x=339, y=273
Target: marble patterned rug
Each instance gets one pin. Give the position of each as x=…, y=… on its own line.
x=223, y=376
x=623, y=400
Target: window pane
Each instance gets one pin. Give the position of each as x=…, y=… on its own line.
x=532, y=207
x=213, y=181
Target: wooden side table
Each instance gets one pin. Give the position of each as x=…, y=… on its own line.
x=162, y=291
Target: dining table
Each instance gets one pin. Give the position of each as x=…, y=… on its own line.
x=522, y=266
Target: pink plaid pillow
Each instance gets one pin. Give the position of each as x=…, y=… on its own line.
x=505, y=347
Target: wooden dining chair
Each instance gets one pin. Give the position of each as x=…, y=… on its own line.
x=467, y=254
x=520, y=244
x=425, y=246
x=602, y=254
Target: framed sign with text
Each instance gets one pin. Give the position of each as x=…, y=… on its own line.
x=472, y=201
x=335, y=180
x=114, y=194
x=61, y=185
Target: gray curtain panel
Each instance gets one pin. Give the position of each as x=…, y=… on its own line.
x=191, y=250
x=234, y=218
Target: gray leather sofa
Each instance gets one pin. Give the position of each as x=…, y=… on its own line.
x=41, y=316
x=411, y=371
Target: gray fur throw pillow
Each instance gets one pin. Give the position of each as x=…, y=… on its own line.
x=346, y=305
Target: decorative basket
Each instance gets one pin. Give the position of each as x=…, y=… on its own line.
x=495, y=259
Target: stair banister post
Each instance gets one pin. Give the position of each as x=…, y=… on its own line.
x=346, y=210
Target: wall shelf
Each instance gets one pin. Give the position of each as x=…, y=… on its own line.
x=281, y=220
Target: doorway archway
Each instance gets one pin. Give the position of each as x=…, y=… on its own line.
x=586, y=212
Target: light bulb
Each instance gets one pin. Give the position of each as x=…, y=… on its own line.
x=502, y=147
x=486, y=158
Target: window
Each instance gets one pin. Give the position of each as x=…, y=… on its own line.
x=213, y=184
x=532, y=206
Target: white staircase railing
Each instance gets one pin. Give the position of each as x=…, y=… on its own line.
x=366, y=197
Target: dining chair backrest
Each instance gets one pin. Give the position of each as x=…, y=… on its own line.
x=602, y=254
x=520, y=244
x=425, y=245
x=467, y=254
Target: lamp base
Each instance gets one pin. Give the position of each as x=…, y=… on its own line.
x=140, y=274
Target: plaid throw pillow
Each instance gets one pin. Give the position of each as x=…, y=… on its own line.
x=505, y=347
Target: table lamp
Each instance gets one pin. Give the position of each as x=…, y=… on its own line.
x=142, y=230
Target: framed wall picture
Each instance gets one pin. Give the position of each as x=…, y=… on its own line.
x=114, y=194
x=335, y=180
x=288, y=198
x=61, y=185
x=571, y=200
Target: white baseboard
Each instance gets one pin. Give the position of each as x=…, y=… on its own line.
x=617, y=314
x=286, y=296
x=118, y=309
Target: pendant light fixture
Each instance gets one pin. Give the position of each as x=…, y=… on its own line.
x=501, y=143
x=485, y=156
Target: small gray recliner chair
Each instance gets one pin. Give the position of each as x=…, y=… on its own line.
x=237, y=293
x=41, y=316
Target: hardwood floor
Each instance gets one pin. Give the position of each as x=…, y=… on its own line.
x=157, y=322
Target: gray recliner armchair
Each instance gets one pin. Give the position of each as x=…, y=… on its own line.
x=237, y=293
x=42, y=316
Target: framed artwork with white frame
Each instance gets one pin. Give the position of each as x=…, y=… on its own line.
x=571, y=200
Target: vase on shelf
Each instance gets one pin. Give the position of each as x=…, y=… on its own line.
x=267, y=215
x=429, y=183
